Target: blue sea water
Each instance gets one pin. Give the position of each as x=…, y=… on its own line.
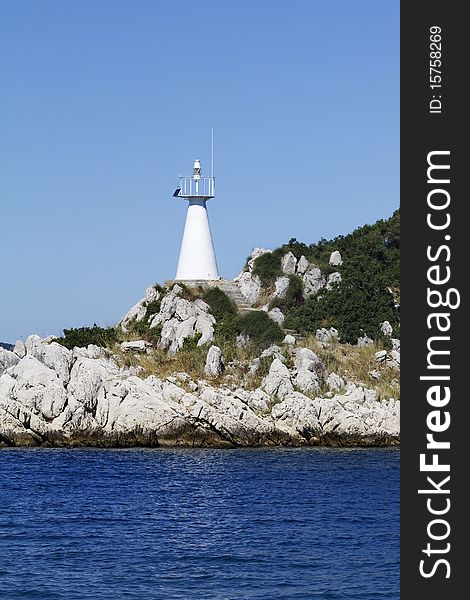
x=257, y=524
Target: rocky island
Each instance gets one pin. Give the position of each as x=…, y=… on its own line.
x=301, y=348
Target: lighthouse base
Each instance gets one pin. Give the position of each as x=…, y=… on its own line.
x=197, y=257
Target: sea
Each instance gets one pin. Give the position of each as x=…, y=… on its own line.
x=199, y=524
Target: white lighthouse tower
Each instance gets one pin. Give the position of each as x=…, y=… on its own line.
x=197, y=257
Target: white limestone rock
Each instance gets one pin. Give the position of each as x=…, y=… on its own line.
x=7, y=359
x=250, y=286
x=289, y=340
x=278, y=382
x=381, y=356
x=333, y=280
x=214, y=362
x=288, y=263
x=139, y=310
x=386, y=329
x=334, y=382
x=327, y=336
x=181, y=319
x=335, y=259
x=281, y=284
x=91, y=351
x=53, y=355
x=396, y=344
x=277, y=316
x=394, y=357
x=135, y=346
x=302, y=266
x=305, y=358
x=258, y=400
x=307, y=381
x=274, y=351
x=20, y=348
x=38, y=388
x=313, y=280
x=365, y=340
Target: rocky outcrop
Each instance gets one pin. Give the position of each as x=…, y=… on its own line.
x=280, y=287
x=250, y=286
x=288, y=263
x=364, y=340
x=214, y=362
x=138, y=312
x=336, y=259
x=180, y=319
x=327, y=336
x=56, y=396
x=313, y=280
x=333, y=280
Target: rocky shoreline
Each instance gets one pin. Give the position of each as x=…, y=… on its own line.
x=52, y=396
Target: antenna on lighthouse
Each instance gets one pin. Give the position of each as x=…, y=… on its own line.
x=212, y=153
x=197, y=257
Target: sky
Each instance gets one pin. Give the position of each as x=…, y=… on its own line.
x=104, y=103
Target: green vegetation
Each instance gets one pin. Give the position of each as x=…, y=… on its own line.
x=262, y=330
x=82, y=336
x=268, y=267
x=222, y=307
x=370, y=283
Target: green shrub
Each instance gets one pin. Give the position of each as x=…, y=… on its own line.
x=82, y=336
x=356, y=307
x=190, y=343
x=222, y=306
x=262, y=330
x=293, y=297
x=152, y=308
x=268, y=267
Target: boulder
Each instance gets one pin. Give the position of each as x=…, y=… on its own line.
x=181, y=319
x=333, y=280
x=365, y=340
x=305, y=358
x=313, y=280
x=307, y=381
x=335, y=259
x=394, y=357
x=281, y=284
x=288, y=263
x=135, y=346
x=214, y=362
x=381, y=356
x=274, y=351
x=20, y=348
x=7, y=359
x=302, y=266
x=334, y=382
x=250, y=286
x=277, y=382
x=327, y=336
x=277, y=316
x=386, y=329
x=289, y=340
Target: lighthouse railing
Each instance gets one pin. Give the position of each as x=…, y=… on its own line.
x=204, y=187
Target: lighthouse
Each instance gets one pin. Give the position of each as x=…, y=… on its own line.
x=197, y=257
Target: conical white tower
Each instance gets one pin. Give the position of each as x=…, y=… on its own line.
x=197, y=257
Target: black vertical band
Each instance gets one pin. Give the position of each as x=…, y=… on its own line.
x=435, y=271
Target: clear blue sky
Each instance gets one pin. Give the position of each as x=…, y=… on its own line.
x=105, y=102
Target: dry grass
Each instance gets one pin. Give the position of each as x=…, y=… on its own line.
x=350, y=362
x=355, y=364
